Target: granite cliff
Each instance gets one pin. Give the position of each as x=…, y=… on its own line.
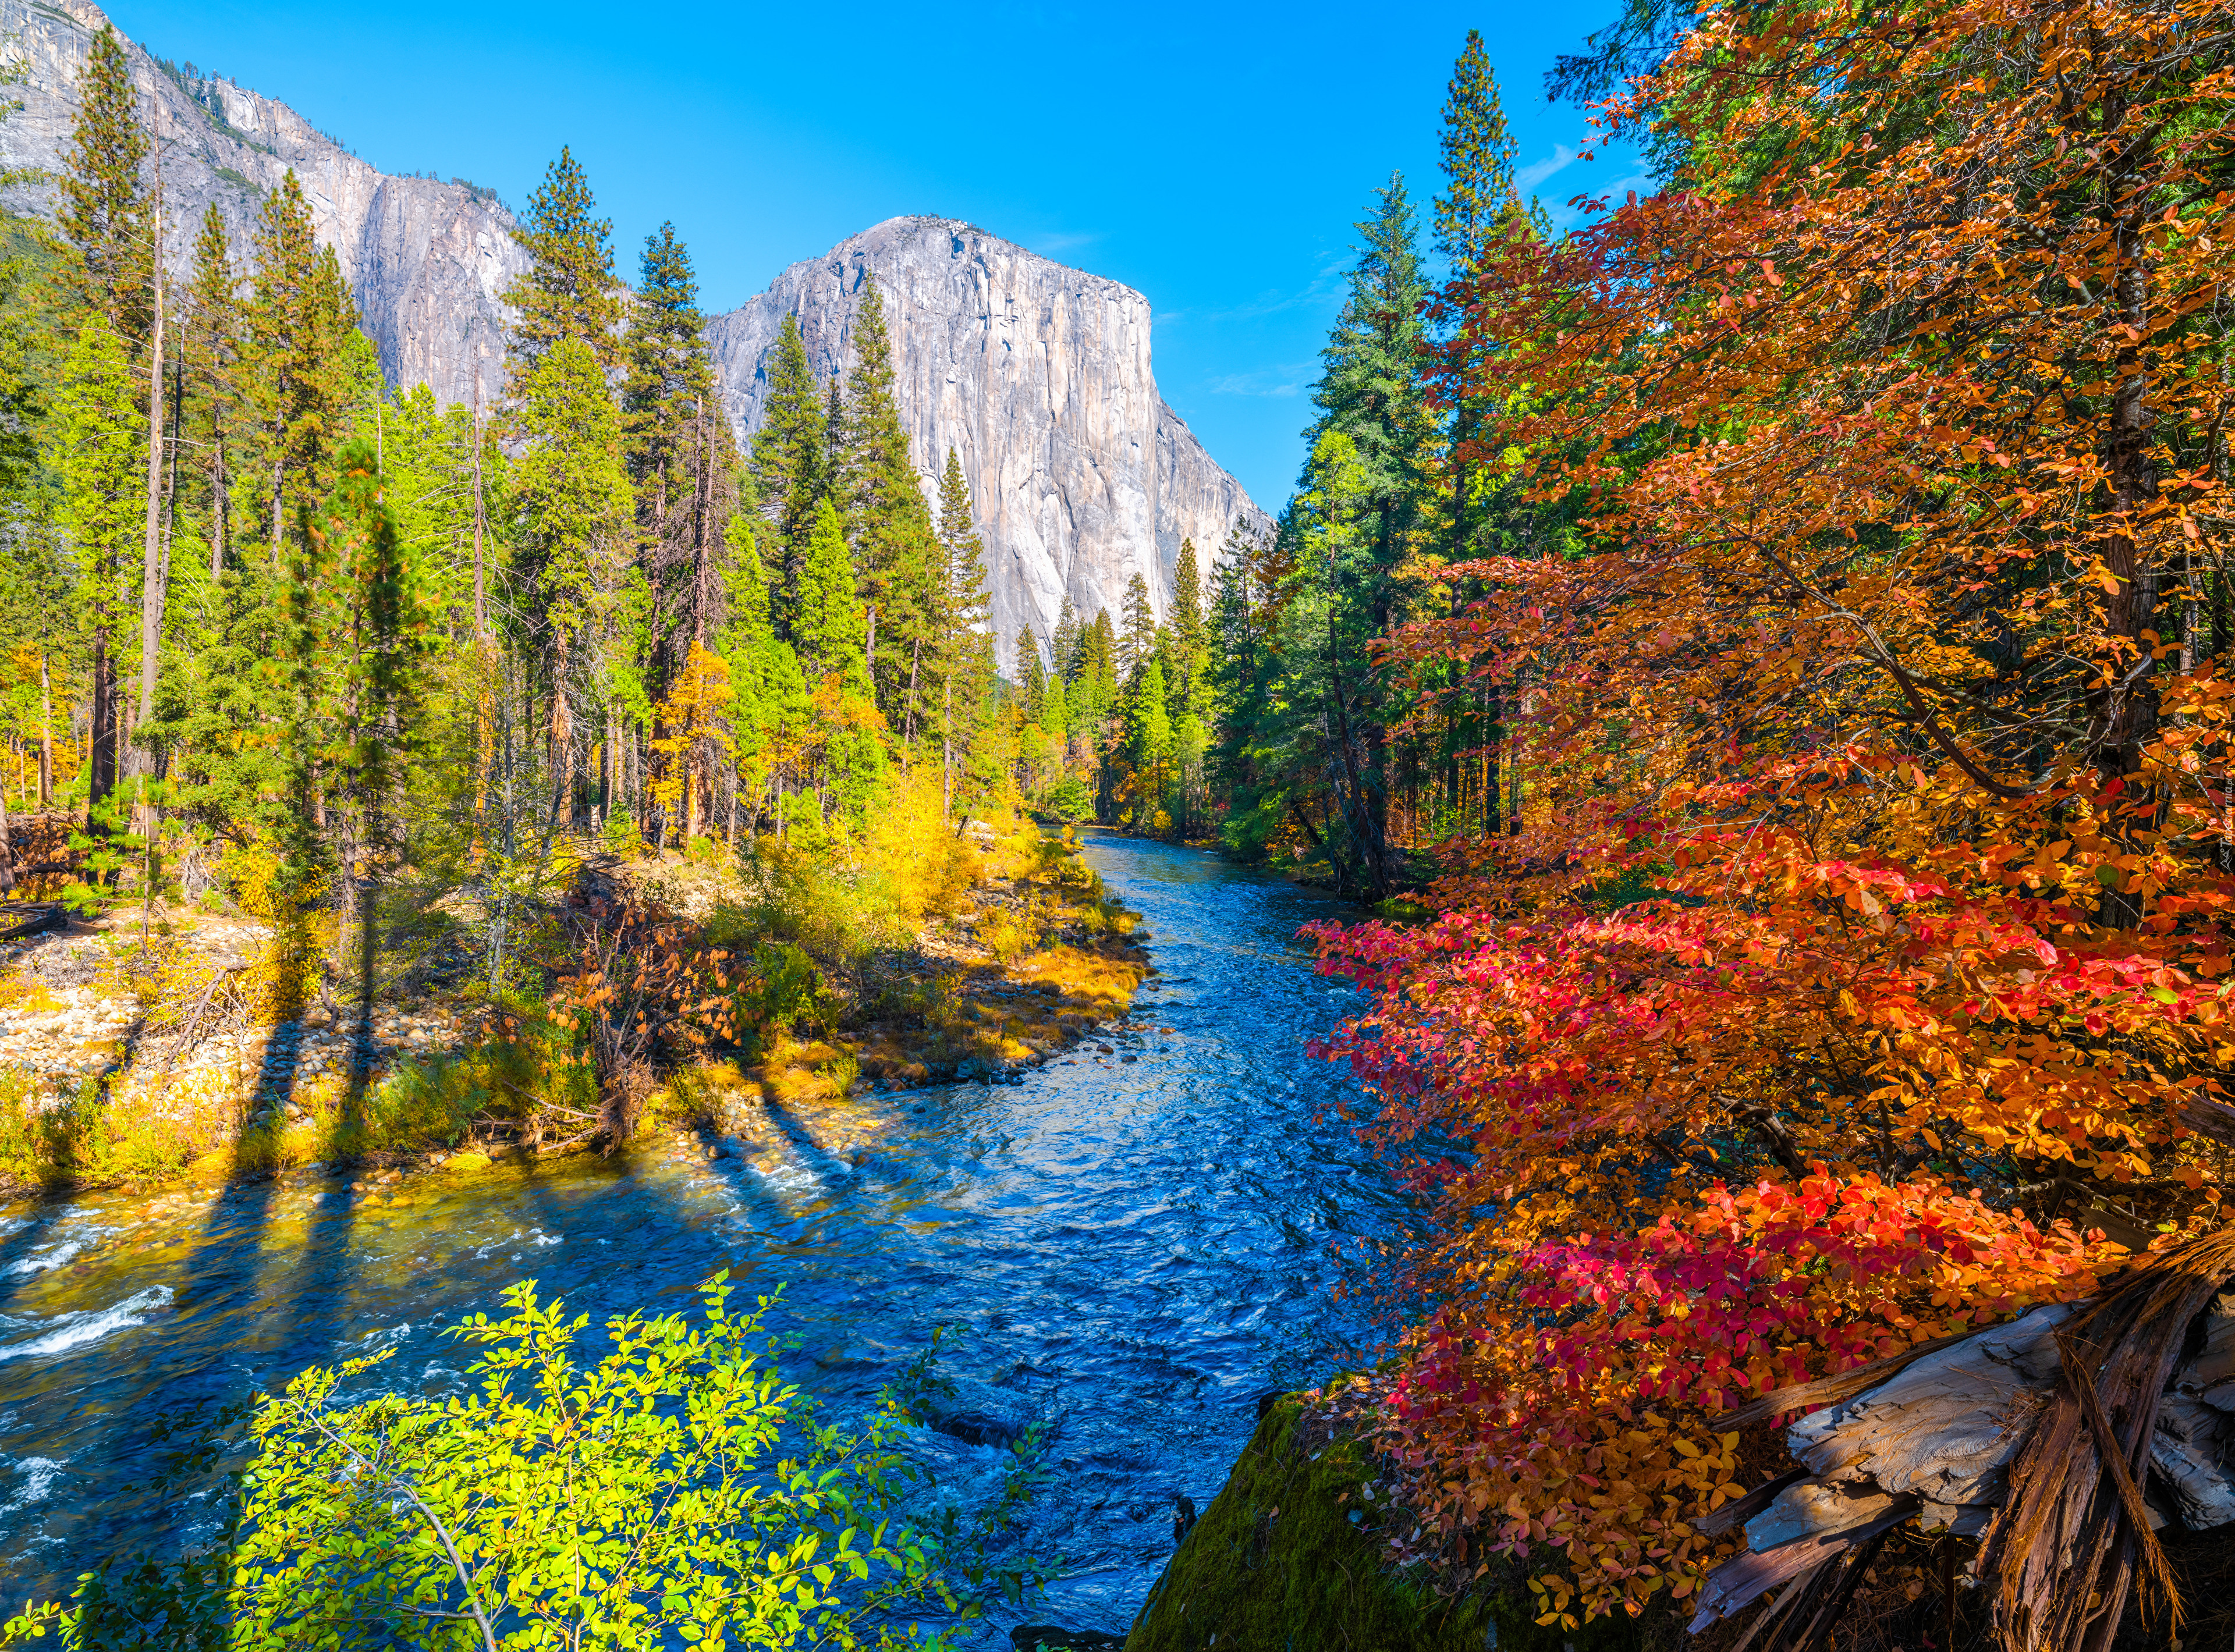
x=1037, y=375
x=426, y=260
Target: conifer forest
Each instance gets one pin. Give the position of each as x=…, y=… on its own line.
x=1735, y=710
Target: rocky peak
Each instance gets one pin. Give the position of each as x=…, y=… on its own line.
x=1038, y=376
x=425, y=258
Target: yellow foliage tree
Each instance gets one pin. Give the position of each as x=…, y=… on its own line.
x=696, y=736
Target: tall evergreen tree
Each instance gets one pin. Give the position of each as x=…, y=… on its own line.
x=107, y=221
x=1064, y=647
x=575, y=511
x=1139, y=634
x=964, y=603
x=789, y=462
x=99, y=437
x=301, y=316
x=1373, y=471
x=831, y=626
x=1189, y=635
x=211, y=342
x=1480, y=205
x=1030, y=672
x=107, y=208
x=569, y=291
x=669, y=418
x=963, y=651
x=887, y=519
x=1371, y=385
x=1477, y=153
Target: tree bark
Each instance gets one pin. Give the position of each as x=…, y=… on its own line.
x=100, y=730
x=46, y=735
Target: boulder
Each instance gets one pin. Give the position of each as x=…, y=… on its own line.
x=977, y=1413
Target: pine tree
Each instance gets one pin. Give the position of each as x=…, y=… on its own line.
x=99, y=436
x=364, y=657
x=964, y=603
x=773, y=703
x=1055, y=708
x=1188, y=630
x=835, y=442
x=1479, y=150
x=105, y=207
x=669, y=416
x=575, y=510
x=569, y=291
x=1064, y=645
x=787, y=460
x=887, y=518
x=963, y=655
x=1139, y=634
x=1030, y=672
x=1371, y=387
x=106, y=220
x=1148, y=719
x=831, y=626
x=301, y=313
x=211, y=327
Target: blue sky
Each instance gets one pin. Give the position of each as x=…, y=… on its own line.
x=1214, y=157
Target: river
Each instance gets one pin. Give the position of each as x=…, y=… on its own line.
x=1135, y=1244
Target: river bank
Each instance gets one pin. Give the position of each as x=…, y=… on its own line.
x=146, y=1047
x=1125, y=1246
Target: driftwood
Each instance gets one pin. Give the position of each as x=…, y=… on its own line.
x=2213, y=1120
x=2063, y=1440
x=32, y=918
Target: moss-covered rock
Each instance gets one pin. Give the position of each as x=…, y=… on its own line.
x=1290, y=1558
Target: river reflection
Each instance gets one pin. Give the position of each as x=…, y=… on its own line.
x=1137, y=1242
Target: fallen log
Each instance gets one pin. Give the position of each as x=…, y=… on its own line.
x=32, y=918
x=2063, y=1440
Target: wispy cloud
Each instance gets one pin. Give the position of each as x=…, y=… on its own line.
x=1063, y=240
x=1321, y=290
x=1285, y=379
x=1538, y=170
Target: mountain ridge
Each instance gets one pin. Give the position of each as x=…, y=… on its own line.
x=1082, y=475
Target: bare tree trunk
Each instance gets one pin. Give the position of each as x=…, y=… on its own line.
x=100, y=730
x=562, y=757
x=217, y=510
x=46, y=735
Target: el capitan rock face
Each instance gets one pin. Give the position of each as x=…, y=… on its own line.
x=1038, y=376
x=425, y=259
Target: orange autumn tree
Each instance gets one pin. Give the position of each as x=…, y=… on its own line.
x=1873, y=881
x=695, y=738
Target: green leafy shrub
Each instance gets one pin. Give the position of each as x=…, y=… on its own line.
x=84, y=1139
x=1068, y=799
x=675, y=1490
